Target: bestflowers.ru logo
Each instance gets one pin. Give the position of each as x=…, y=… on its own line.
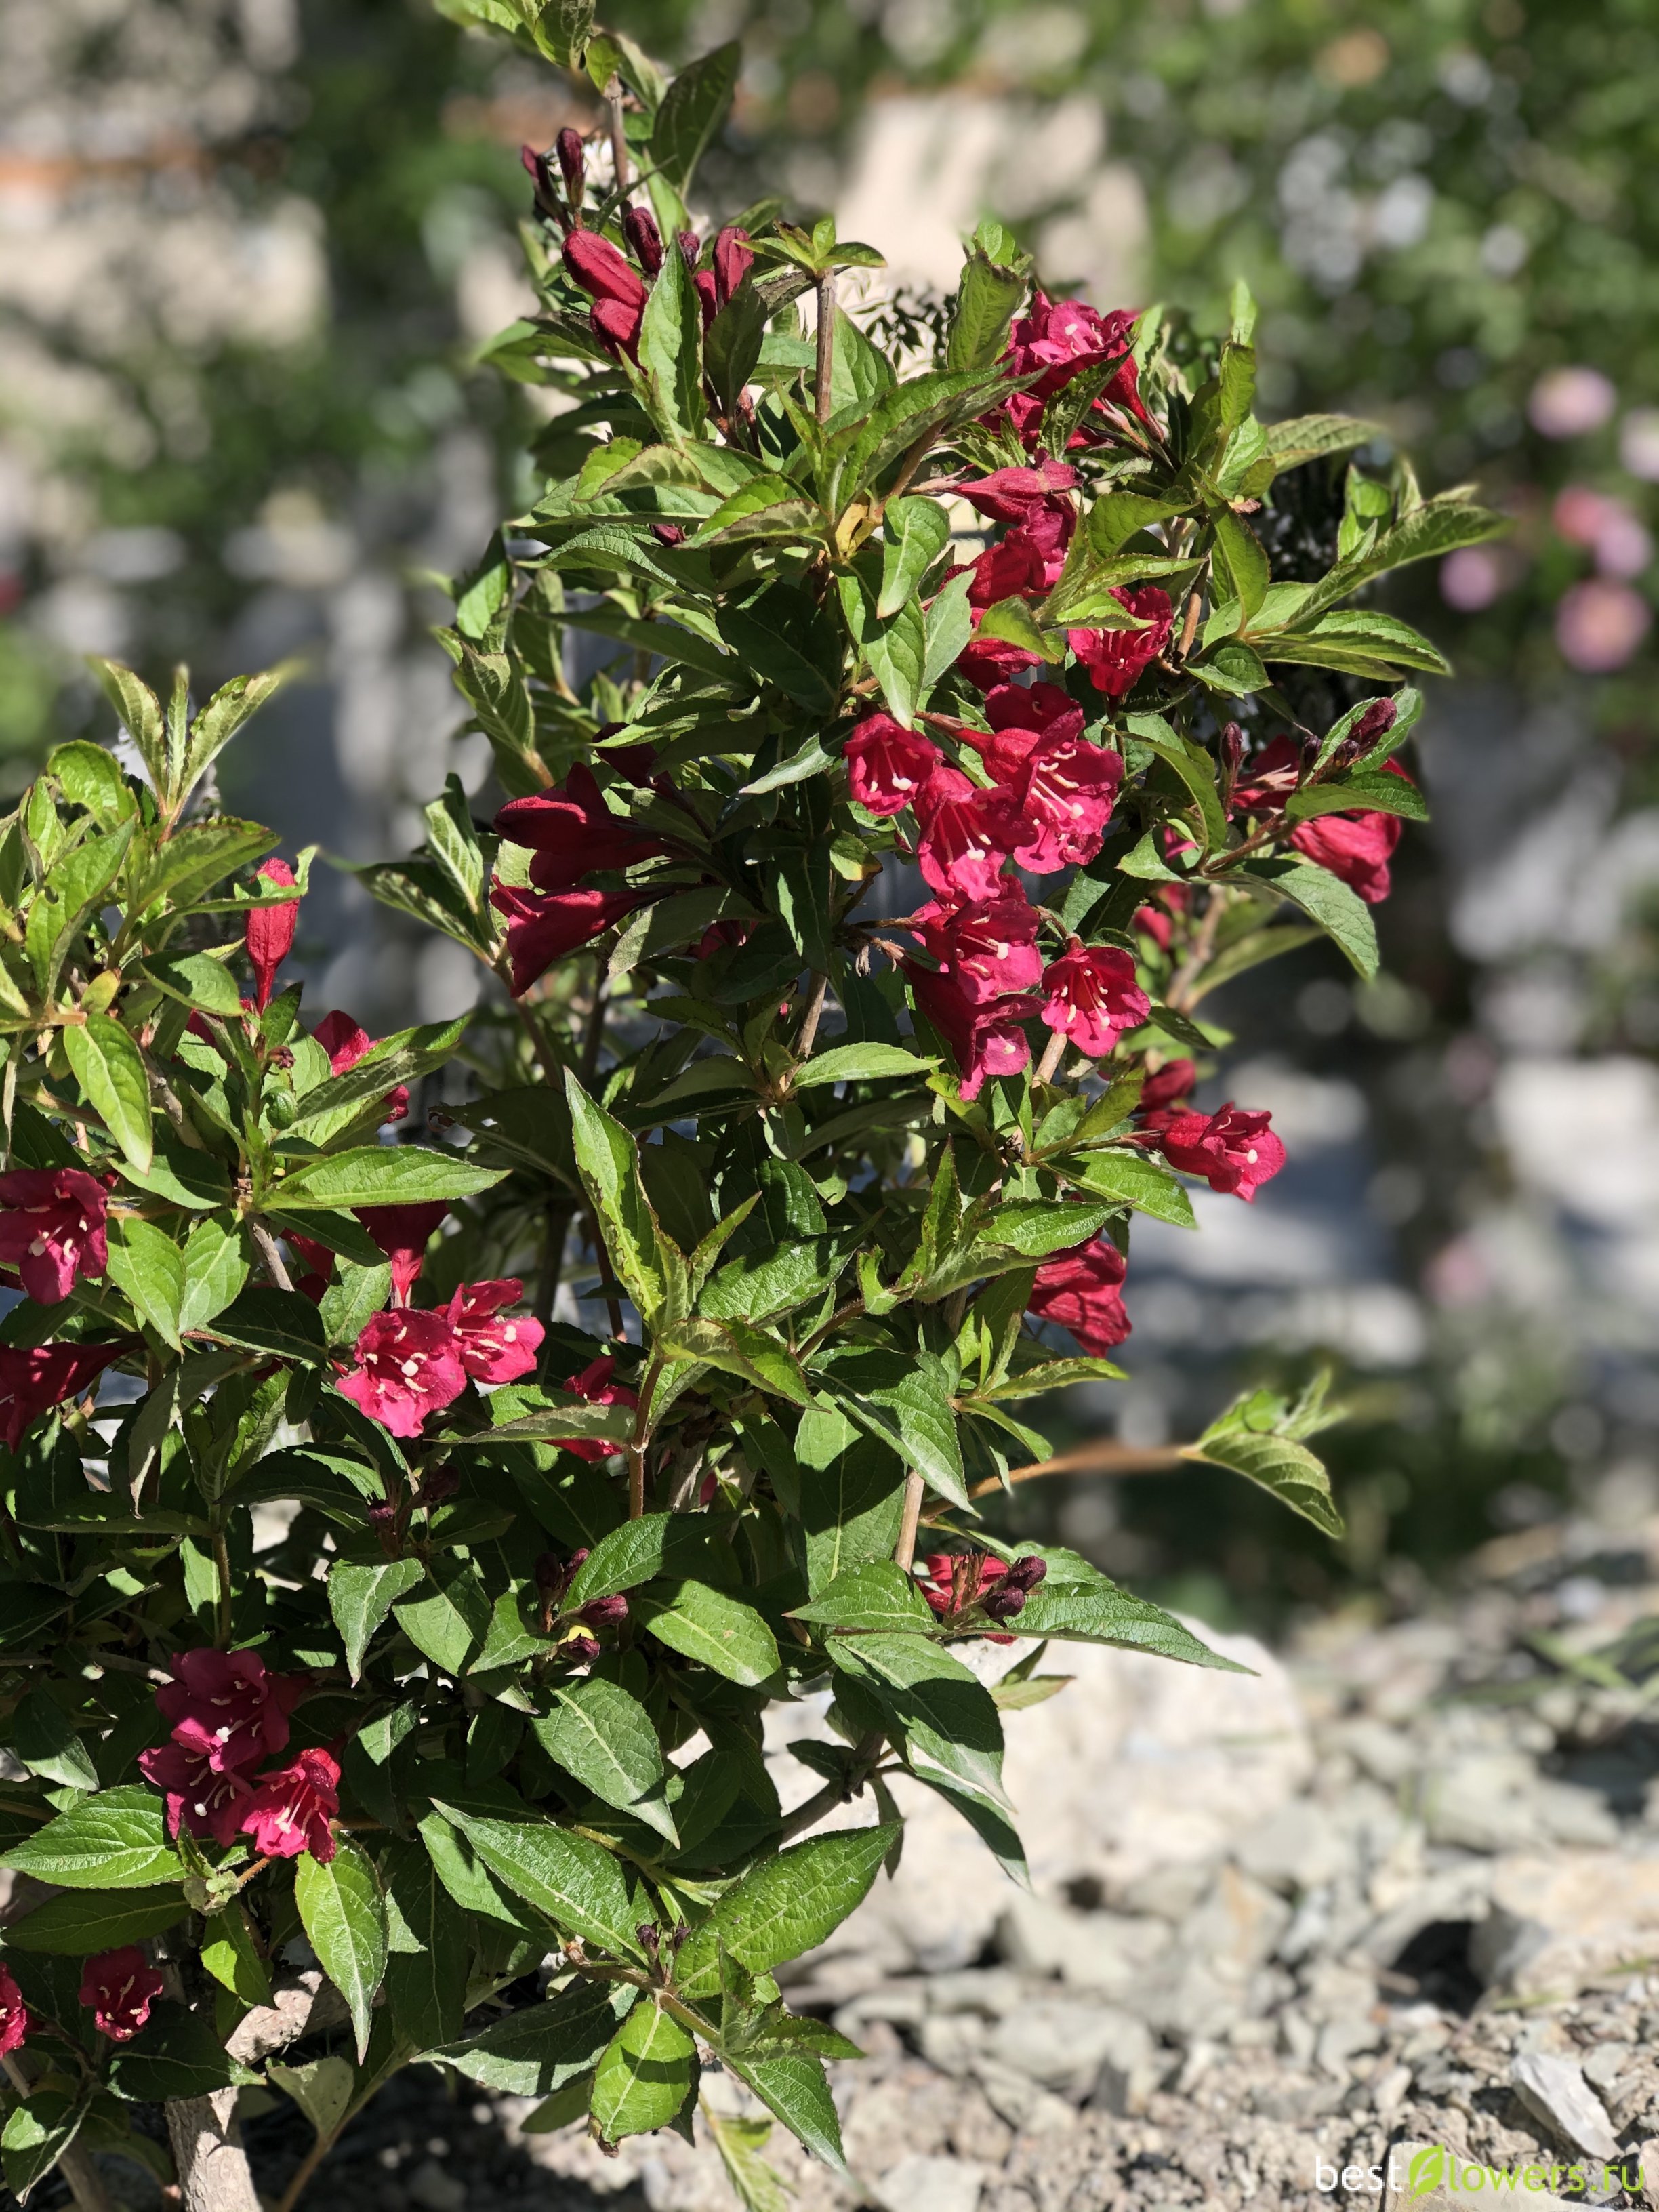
x=1432, y=2170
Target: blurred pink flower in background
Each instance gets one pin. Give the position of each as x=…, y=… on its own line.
x=1621, y=545
x=1599, y=625
x=1570, y=402
x=1471, y=578
x=1639, y=443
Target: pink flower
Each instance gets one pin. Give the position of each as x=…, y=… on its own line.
x=403, y=1233
x=1355, y=847
x=968, y=836
x=1173, y=1081
x=408, y=1366
x=1115, y=658
x=597, y=1385
x=492, y=1348
x=53, y=1229
x=1233, y=1150
x=232, y=1703
x=33, y=1381
x=571, y=830
x=1091, y=995
x=1571, y=402
x=1082, y=1290
x=991, y=661
x=989, y=946
x=541, y=930
x=887, y=764
x=1023, y=717
x=270, y=932
x=618, y=294
x=734, y=259
x=1268, y=778
x=639, y=229
x=1065, y=793
x=203, y=1796
x=290, y=1810
x=1599, y=624
x=345, y=1043
x=1062, y=337
x=984, y=1040
x=1010, y=494
x=14, y=2014
x=1026, y=561
x=120, y=1986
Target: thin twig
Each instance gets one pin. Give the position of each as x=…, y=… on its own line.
x=1052, y=1053
x=1105, y=1458
x=222, y=1562
x=904, y=1551
x=307, y=2167
x=613, y=101
x=269, y=1258
x=814, y=1015
x=823, y=393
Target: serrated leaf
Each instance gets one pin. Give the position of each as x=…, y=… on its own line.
x=1135, y=1180
x=37, y=2131
x=858, y=1063
x=719, y=1631
x=177, y=2054
x=644, y=1259
x=738, y=1347
x=115, y=1840
x=794, y=2088
x=873, y=1596
x=540, y=2048
x=785, y=1905
x=1341, y=913
x=604, y=1737
x=645, y=2074
x=945, y=1712
x=360, y=1597
x=425, y=1987
x=343, y=1916
x=1296, y=1476
x=575, y=1882
x=656, y=1544
x=110, y=1070
x=148, y=1266
x=83, y=1924
x=264, y=1319
x=381, y=1175
x=323, y=2091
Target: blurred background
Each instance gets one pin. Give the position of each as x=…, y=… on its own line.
x=249, y=250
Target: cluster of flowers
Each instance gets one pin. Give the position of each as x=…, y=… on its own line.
x=956, y=1584
x=119, y=1987
x=228, y=1713
x=554, y=1577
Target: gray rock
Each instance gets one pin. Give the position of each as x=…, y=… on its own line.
x=1606, y=2064
x=1016, y=2099
x=1343, y=2038
x=1181, y=1998
x=918, y=2183
x=951, y=2041
x=1065, y=2045
x=1555, y=2089
x=434, y=2190
x=1170, y=1893
x=1238, y=1926
x=1387, y=1755
x=1103, y=1951
x=990, y=1992
x=1294, y=1849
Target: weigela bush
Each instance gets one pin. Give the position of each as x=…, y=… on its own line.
x=377, y=1648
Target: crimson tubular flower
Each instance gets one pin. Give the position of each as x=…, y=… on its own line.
x=1082, y=1290
x=1011, y=496
x=1173, y=1082
x=203, y=1796
x=597, y=1384
x=120, y=1986
x=888, y=764
x=1023, y=717
x=52, y=1230
x=572, y=833
x=968, y=836
x=291, y=1808
x=346, y=1043
x=733, y=259
x=493, y=1349
x=403, y=1233
x=408, y=1366
x=1115, y=658
x=1062, y=337
x=1091, y=995
x=989, y=945
x=33, y=1381
x=954, y=1583
x=1357, y=848
x=984, y=1040
x=14, y=2014
x=617, y=290
x=270, y=932
x=1235, y=1151
x=540, y=931
x=234, y=1700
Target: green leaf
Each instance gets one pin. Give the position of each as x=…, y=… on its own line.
x=914, y=533
x=604, y=1737
x=1246, y=564
x=1013, y=622
x=217, y=723
x=1035, y=1228
x=994, y=278
x=91, y=777
x=75, y=887
x=44, y=1739
x=83, y=1924
x=945, y=1712
x=638, y=1552
x=808, y=761
x=897, y=654
x=1193, y=765
x=401, y=1058
x=1380, y=794
x=425, y=1987
x=950, y=624
x=216, y=1269
x=644, y=1259
x=1340, y=913
x=578, y=1421
x=451, y=1622
x=874, y=1596
x=671, y=352
x=195, y=979
x=720, y=1631
x=343, y=1916
x=232, y=1957
x=644, y=2076
x=360, y=1598
x=794, y=2088
x=1296, y=1476
x=541, y=2047
x=1078, y=1603
x=738, y=1347
x=785, y=1905
x=1134, y=1179
x=575, y=1882
x=323, y=2090
x=382, y=1174
x=110, y=1070
x=37, y=2131
x=264, y=1319
x=177, y=2054
x=146, y=1263
x=115, y=1840
x=1313, y=437
x=740, y=2143
x=765, y=506
x=140, y=711
x=196, y=858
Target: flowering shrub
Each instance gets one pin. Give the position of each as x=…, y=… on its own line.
x=371, y=1638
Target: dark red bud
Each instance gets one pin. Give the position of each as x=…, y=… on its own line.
x=572, y=162
x=1232, y=748
x=1310, y=750
x=605, y=1612
x=690, y=246
x=578, y=1647
x=1377, y=719
x=668, y=533
x=441, y=1483
x=1004, y=1603
x=553, y=1574
x=734, y=259
x=1025, y=1573
x=639, y=229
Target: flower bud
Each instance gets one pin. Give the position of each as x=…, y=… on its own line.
x=639, y=229
x=440, y=1484
x=554, y=1575
x=1378, y=718
x=1004, y=1603
x=572, y=162
x=547, y=195
x=1025, y=1573
x=668, y=533
x=605, y=1612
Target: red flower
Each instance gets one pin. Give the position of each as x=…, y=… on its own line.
x=1233, y=1150
x=403, y=1233
x=408, y=1366
x=617, y=290
x=203, y=1796
x=571, y=830
x=53, y=1229
x=1062, y=337
x=1357, y=848
x=236, y=1702
x=989, y=946
x=887, y=764
x=1114, y=658
x=956, y=1582
x=1267, y=778
x=1092, y=995
x=493, y=1349
x=1026, y=561
x=269, y=934
x=1010, y=494
x=639, y=229
x=290, y=1810
x=984, y=1040
x=1173, y=1082
x=734, y=259
x=30, y=1382
x=120, y=1986
x=1082, y=1291
x=991, y=661
x=1022, y=717
x=968, y=836
x=1066, y=792
x=14, y=2014
x=345, y=1043
x=595, y=1384
x=540, y=931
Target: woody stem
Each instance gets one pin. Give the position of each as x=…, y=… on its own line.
x=814, y=1015
x=1052, y=1053
x=904, y=1551
x=269, y=1258
x=613, y=101
x=826, y=358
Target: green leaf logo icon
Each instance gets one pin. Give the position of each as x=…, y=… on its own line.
x=1427, y=2171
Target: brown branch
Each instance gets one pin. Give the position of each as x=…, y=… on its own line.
x=1108, y=1457
x=904, y=1551
x=269, y=1258
x=826, y=352
x=813, y=1016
